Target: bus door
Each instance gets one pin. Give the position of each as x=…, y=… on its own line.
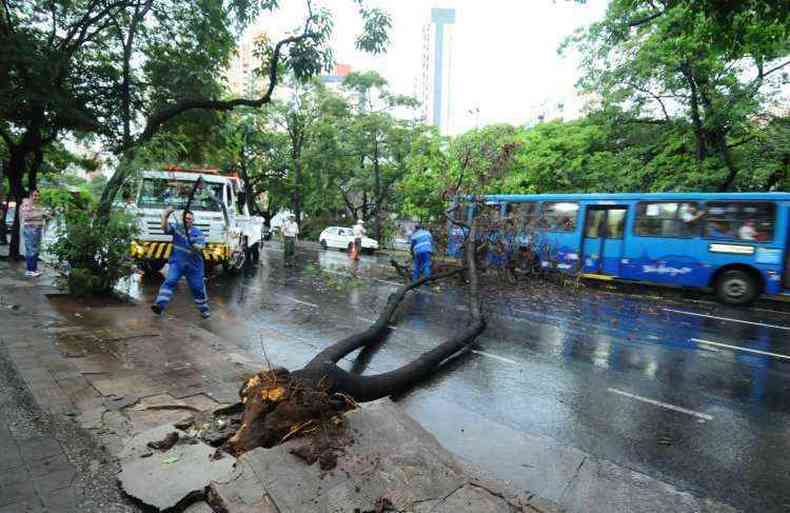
x=602, y=245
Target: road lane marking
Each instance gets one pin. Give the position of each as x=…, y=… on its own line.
x=300, y=301
x=662, y=405
x=775, y=326
x=739, y=348
x=496, y=357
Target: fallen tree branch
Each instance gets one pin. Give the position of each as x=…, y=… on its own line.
x=278, y=403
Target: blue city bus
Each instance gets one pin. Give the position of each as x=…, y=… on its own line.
x=735, y=244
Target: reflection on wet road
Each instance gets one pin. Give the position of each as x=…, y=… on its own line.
x=689, y=392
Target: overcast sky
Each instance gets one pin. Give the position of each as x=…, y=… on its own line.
x=504, y=55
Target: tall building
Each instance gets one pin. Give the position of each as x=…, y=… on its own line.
x=436, y=73
x=335, y=79
x=244, y=74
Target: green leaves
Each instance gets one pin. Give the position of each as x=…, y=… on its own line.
x=375, y=34
x=97, y=254
x=704, y=66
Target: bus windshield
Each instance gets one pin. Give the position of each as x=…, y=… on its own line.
x=163, y=193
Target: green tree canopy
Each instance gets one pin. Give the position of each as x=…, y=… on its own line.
x=710, y=67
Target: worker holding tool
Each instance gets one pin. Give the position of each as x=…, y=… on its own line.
x=186, y=259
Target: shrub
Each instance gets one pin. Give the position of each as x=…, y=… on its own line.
x=93, y=252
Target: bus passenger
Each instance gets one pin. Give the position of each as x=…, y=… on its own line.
x=690, y=215
x=719, y=230
x=747, y=231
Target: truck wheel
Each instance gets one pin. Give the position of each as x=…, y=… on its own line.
x=235, y=264
x=152, y=266
x=237, y=259
x=323, y=244
x=736, y=287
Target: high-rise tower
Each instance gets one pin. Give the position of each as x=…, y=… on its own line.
x=437, y=67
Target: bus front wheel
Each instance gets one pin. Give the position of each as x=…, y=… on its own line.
x=736, y=287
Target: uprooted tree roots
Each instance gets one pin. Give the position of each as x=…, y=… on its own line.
x=279, y=403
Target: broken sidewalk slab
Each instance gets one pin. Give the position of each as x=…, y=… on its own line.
x=175, y=477
x=391, y=458
x=242, y=492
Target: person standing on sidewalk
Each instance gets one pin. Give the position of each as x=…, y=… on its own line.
x=421, y=252
x=290, y=232
x=185, y=260
x=33, y=217
x=359, y=232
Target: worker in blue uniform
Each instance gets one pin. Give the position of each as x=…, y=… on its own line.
x=185, y=260
x=421, y=252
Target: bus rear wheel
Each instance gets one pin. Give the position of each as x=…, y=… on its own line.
x=736, y=287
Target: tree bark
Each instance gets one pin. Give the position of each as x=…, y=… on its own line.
x=296, y=195
x=4, y=213
x=32, y=174
x=15, y=171
x=378, y=195
x=696, y=119
x=3, y=227
x=726, y=156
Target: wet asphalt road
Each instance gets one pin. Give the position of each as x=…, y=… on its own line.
x=689, y=392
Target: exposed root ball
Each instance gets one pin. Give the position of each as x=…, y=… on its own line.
x=279, y=406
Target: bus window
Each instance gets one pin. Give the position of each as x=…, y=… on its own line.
x=525, y=216
x=740, y=220
x=594, y=228
x=615, y=223
x=605, y=223
x=560, y=216
x=667, y=219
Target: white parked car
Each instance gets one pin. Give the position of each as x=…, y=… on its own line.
x=342, y=238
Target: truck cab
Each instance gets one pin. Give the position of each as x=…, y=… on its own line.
x=232, y=234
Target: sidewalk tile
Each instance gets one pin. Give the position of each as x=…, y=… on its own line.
x=39, y=447
x=19, y=490
x=12, y=457
x=49, y=464
x=56, y=480
x=23, y=507
x=65, y=500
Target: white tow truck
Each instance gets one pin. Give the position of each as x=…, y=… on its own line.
x=233, y=235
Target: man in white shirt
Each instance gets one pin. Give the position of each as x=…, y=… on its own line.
x=747, y=231
x=359, y=232
x=690, y=216
x=290, y=231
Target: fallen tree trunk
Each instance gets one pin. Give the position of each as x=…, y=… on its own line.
x=279, y=403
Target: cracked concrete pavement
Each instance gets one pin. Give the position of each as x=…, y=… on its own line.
x=112, y=371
